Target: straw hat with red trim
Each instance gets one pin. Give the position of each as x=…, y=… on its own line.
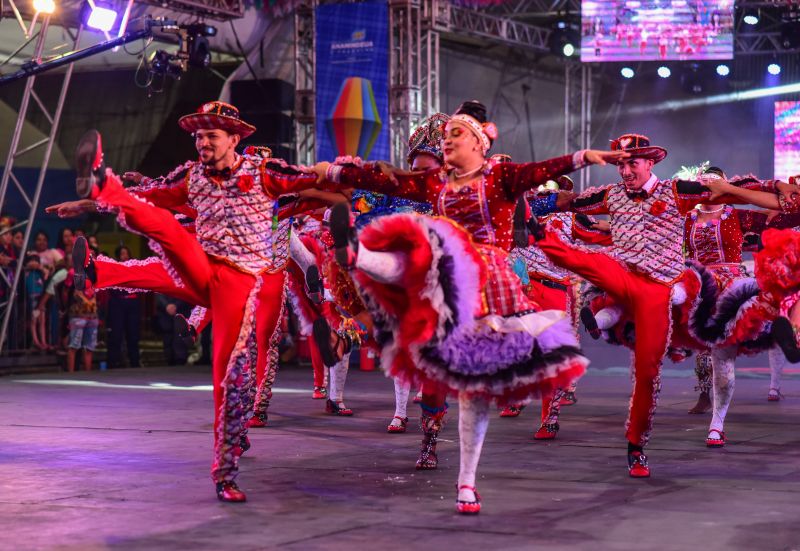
x=216, y=115
x=639, y=147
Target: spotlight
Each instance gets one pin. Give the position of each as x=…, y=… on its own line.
x=750, y=17
x=723, y=70
x=568, y=49
x=101, y=18
x=664, y=72
x=627, y=72
x=44, y=6
x=563, y=39
x=774, y=69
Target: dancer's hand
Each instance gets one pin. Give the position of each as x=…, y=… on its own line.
x=597, y=157
x=134, y=177
x=320, y=169
x=719, y=187
x=71, y=209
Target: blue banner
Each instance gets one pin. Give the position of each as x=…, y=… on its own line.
x=352, y=80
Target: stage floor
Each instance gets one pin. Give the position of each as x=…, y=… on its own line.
x=120, y=460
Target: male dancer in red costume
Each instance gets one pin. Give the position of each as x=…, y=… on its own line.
x=641, y=268
x=234, y=262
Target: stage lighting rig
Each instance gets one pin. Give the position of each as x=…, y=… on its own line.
x=193, y=50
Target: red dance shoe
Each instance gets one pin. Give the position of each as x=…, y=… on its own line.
x=320, y=393
x=774, y=395
x=229, y=492
x=468, y=507
x=511, y=411
x=89, y=164
x=546, y=432
x=716, y=442
x=637, y=465
x=257, y=421
x=337, y=408
x=569, y=399
x=398, y=428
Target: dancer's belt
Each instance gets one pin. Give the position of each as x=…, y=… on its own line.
x=552, y=284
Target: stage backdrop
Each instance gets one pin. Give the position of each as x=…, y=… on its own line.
x=352, y=80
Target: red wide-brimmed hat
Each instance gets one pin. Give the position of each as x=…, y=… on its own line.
x=217, y=115
x=639, y=147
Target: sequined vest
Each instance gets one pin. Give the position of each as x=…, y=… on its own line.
x=648, y=234
x=235, y=219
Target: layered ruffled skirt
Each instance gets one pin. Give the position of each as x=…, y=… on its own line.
x=458, y=317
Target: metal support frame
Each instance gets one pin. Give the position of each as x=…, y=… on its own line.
x=16, y=149
x=578, y=112
x=304, y=83
x=413, y=70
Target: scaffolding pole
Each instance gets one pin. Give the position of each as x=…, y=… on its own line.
x=578, y=112
x=304, y=83
x=16, y=149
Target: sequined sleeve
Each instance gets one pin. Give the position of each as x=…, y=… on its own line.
x=385, y=179
x=689, y=194
x=592, y=201
x=517, y=178
x=279, y=177
x=170, y=191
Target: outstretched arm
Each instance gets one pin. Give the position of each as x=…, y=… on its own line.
x=71, y=209
x=517, y=178
x=381, y=178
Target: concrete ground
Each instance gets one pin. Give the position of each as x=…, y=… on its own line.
x=120, y=460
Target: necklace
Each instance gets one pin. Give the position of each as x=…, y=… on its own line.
x=466, y=174
x=711, y=211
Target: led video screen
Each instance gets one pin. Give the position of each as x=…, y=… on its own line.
x=656, y=30
x=787, y=139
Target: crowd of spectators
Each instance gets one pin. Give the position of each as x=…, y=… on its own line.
x=50, y=316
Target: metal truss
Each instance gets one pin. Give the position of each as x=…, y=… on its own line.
x=16, y=149
x=578, y=112
x=304, y=84
x=485, y=24
x=221, y=10
x=413, y=70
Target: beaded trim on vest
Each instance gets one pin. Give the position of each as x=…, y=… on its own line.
x=647, y=235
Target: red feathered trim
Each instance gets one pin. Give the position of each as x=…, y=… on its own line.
x=751, y=323
x=416, y=316
x=778, y=264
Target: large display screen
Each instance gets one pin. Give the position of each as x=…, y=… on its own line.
x=658, y=30
x=787, y=139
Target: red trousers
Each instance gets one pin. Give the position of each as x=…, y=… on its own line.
x=647, y=302
x=245, y=311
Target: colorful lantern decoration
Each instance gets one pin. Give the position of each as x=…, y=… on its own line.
x=354, y=122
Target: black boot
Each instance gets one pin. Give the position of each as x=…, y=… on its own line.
x=83, y=264
x=589, y=322
x=344, y=235
x=783, y=334
x=520, y=229
x=89, y=163
x=184, y=331
x=314, y=288
x=535, y=229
